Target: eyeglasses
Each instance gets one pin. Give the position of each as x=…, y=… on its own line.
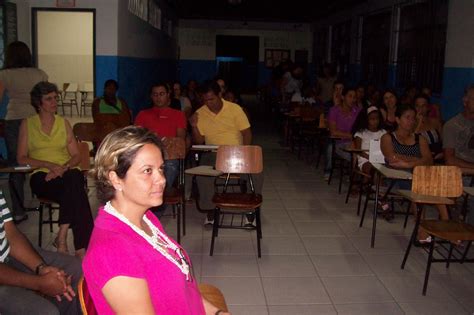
x=159, y=94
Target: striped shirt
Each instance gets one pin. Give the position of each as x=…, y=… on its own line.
x=5, y=216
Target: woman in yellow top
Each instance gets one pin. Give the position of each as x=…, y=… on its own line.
x=46, y=141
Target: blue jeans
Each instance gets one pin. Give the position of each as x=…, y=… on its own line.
x=171, y=172
x=15, y=300
x=16, y=180
x=171, y=168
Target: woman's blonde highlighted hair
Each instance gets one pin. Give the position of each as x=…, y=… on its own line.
x=117, y=153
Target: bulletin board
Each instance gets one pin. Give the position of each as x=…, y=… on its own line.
x=273, y=57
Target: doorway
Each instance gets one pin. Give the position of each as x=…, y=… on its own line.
x=237, y=61
x=64, y=46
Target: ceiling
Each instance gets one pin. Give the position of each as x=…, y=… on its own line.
x=259, y=10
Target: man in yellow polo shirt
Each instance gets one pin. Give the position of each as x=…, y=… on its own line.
x=218, y=122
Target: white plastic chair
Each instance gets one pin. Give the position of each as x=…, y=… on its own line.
x=87, y=97
x=70, y=97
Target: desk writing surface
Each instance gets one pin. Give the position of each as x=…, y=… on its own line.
x=469, y=190
x=17, y=169
x=204, y=147
x=203, y=170
x=391, y=172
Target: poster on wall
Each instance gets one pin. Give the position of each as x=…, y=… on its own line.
x=65, y=3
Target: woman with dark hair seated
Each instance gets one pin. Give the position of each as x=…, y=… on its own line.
x=111, y=109
x=132, y=266
x=46, y=141
x=404, y=149
x=388, y=108
x=430, y=128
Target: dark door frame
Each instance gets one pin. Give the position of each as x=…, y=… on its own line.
x=34, y=34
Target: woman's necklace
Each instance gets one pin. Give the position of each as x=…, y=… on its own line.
x=159, y=241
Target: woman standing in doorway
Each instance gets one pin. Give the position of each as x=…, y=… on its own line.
x=16, y=80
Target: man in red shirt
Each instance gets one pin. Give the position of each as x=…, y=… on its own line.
x=165, y=122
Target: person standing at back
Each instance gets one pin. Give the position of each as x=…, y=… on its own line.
x=16, y=80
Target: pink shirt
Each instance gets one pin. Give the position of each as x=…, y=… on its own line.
x=116, y=250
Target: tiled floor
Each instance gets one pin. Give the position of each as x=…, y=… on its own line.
x=315, y=258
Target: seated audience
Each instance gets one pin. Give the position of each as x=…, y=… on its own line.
x=405, y=149
x=218, y=122
x=132, y=266
x=184, y=101
x=360, y=96
x=458, y=142
x=341, y=119
x=429, y=128
x=46, y=141
x=388, y=109
x=367, y=127
x=110, y=109
x=326, y=82
x=34, y=280
x=164, y=122
x=434, y=110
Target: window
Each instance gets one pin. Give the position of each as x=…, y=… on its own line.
x=155, y=15
x=422, y=42
x=139, y=8
x=320, y=49
x=340, y=49
x=375, y=48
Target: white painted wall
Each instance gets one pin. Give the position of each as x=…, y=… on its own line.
x=106, y=21
x=66, y=52
x=137, y=38
x=197, y=38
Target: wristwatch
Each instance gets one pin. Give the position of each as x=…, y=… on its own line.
x=39, y=267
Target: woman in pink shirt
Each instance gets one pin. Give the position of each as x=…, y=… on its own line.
x=131, y=265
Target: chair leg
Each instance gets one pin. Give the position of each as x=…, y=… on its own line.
x=465, y=252
x=50, y=208
x=428, y=266
x=40, y=224
x=450, y=254
x=259, y=232
x=341, y=176
x=215, y=229
x=351, y=183
x=412, y=238
x=183, y=207
x=178, y=222
x=259, y=223
x=366, y=203
x=330, y=172
x=359, y=201
x=406, y=216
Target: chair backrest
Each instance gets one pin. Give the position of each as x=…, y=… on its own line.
x=213, y=295
x=85, y=163
x=175, y=148
x=71, y=87
x=439, y=181
x=88, y=87
x=87, y=305
x=239, y=159
x=86, y=132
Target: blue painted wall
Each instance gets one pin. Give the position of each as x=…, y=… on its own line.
x=136, y=76
x=106, y=67
x=455, y=80
x=199, y=70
